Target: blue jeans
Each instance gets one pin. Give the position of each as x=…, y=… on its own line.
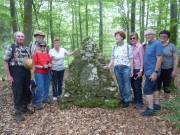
x=57, y=82
x=42, y=89
x=122, y=74
x=136, y=84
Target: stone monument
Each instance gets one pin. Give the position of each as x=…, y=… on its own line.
x=88, y=83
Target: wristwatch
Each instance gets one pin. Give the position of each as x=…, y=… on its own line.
x=156, y=71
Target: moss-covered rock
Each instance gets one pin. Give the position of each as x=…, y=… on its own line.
x=88, y=83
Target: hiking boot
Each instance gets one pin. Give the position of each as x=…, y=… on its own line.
x=147, y=112
x=19, y=117
x=54, y=98
x=125, y=104
x=157, y=107
x=27, y=110
x=139, y=105
x=46, y=101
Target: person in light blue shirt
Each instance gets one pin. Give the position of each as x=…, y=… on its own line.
x=152, y=64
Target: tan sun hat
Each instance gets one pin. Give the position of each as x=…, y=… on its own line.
x=40, y=33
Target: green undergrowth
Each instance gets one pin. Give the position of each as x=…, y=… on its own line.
x=171, y=109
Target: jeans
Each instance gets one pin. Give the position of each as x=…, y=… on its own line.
x=42, y=89
x=21, y=86
x=136, y=84
x=122, y=74
x=57, y=82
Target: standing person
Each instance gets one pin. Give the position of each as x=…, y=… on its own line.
x=17, y=75
x=42, y=63
x=39, y=36
x=136, y=79
x=122, y=60
x=152, y=64
x=57, y=54
x=169, y=63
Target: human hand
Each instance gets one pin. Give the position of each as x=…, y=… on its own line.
x=45, y=66
x=49, y=65
x=140, y=74
x=173, y=74
x=153, y=76
x=132, y=73
x=106, y=67
x=10, y=79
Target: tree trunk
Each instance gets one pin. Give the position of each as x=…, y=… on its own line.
x=76, y=23
x=80, y=21
x=51, y=22
x=133, y=18
x=86, y=18
x=173, y=21
x=100, y=27
x=142, y=21
x=127, y=19
x=73, y=25
x=147, y=14
x=28, y=21
x=140, y=16
x=36, y=16
x=13, y=15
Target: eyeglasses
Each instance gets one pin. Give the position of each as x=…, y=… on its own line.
x=132, y=38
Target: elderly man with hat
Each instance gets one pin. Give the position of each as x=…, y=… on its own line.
x=39, y=36
x=152, y=64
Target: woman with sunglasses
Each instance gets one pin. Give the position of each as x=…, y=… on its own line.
x=136, y=79
x=42, y=64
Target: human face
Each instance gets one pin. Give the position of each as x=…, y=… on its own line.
x=118, y=38
x=133, y=40
x=56, y=44
x=164, y=38
x=149, y=37
x=39, y=38
x=19, y=38
x=42, y=47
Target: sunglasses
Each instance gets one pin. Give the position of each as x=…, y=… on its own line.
x=132, y=38
x=42, y=45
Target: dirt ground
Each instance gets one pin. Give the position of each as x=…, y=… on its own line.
x=80, y=121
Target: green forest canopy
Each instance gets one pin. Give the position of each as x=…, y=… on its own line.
x=74, y=20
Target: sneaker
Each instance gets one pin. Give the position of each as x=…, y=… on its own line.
x=38, y=108
x=19, y=117
x=147, y=112
x=157, y=107
x=54, y=98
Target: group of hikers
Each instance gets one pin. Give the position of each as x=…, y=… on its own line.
x=157, y=61
x=47, y=63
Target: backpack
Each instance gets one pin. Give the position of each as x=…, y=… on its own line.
x=13, y=47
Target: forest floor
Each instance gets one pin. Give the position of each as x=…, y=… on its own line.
x=81, y=121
